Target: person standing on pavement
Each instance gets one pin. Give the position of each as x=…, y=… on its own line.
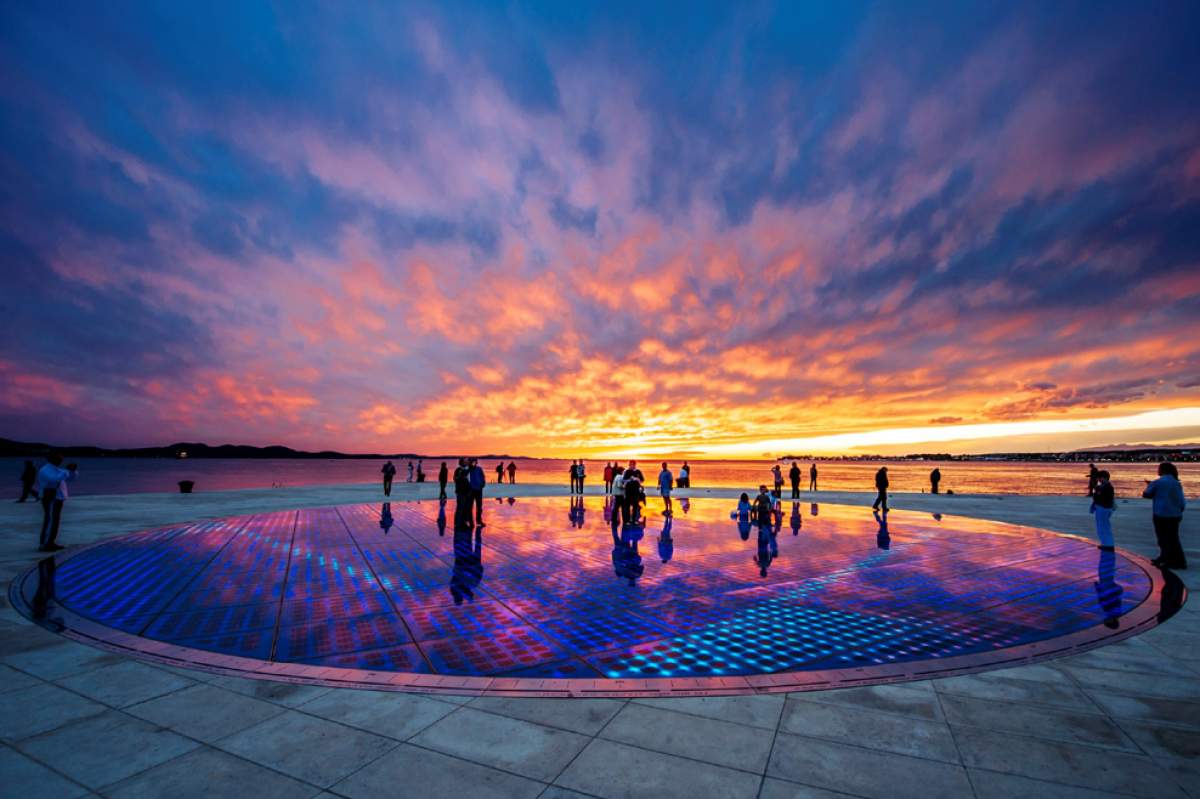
x=1169, y=504
x=52, y=482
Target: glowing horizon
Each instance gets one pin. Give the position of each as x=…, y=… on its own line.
x=595, y=231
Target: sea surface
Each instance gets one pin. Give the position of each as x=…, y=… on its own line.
x=138, y=475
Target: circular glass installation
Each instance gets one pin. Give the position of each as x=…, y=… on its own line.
x=554, y=597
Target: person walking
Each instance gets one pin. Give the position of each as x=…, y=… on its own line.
x=389, y=472
x=52, y=482
x=477, y=482
x=812, y=476
x=1169, y=504
x=500, y=473
x=608, y=478
x=1103, y=505
x=665, y=480
x=512, y=473
x=28, y=478
x=881, y=485
x=443, y=476
x=935, y=477
x=794, y=476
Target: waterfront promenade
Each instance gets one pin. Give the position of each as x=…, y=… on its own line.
x=77, y=721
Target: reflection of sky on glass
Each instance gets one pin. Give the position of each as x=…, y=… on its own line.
x=357, y=227
x=548, y=590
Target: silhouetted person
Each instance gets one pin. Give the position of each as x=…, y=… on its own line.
x=462, y=495
x=794, y=476
x=665, y=481
x=608, y=478
x=443, y=477
x=881, y=485
x=634, y=496
x=1104, y=502
x=28, y=477
x=385, y=518
x=1108, y=592
x=1169, y=505
x=743, y=514
x=883, y=538
x=1093, y=478
x=582, y=472
x=421, y=471
x=512, y=473
x=500, y=473
x=52, y=482
x=620, y=513
x=778, y=472
x=935, y=477
x=410, y=471
x=764, y=507
x=686, y=473
x=477, y=482
x=389, y=472
x=812, y=477
x=574, y=472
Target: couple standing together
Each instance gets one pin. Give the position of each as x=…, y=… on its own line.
x=469, y=481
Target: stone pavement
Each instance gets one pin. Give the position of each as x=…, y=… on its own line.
x=76, y=721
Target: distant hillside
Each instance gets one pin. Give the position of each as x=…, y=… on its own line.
x=26, y=449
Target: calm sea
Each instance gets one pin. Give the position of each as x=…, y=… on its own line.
x=137, y=475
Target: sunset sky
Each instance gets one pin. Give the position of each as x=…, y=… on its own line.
x=720, y=229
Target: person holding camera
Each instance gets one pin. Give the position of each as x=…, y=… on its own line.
x=52, y=482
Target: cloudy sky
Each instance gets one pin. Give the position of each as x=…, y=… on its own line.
x=563, y=228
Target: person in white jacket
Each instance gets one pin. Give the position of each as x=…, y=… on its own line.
x=52, y=482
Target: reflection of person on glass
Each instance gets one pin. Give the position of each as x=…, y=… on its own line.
x=385, y=518
x=577, y=510
x=441, y=517
x=666, y=544
x=468, y=564
x=767, y=548
x=795, y=519
x=1108, y=592
x=627, y=561
x=45, y=589
x=1103, y=505
x=883, y=539
x=814, y=509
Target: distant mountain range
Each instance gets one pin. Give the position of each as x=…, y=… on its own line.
x=28, y=449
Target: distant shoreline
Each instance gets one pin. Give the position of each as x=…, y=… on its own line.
x=1187, y=453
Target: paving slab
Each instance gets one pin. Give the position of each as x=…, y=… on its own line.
x=1068, y=764
x=12, y=680
x=613, y=770
x=206, y=773
x=1151, y=709
x=411, y=771
x=753, y=711
x=61, y=660
x=1009, y=689
x=721, y=743
x=864, y=772
x=279, y=693
x=773, y=788
x=994, y=785
x=903, y=700
x=24, y=778
x=885, y=731
x=1167, y=687
x=310, y=749
x=521, y=747
x=205, y=712
x=1037, y=721
x=125, y=683
x=391, y=714
x=584, y=716
x=40, y=708
x=104, y=749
